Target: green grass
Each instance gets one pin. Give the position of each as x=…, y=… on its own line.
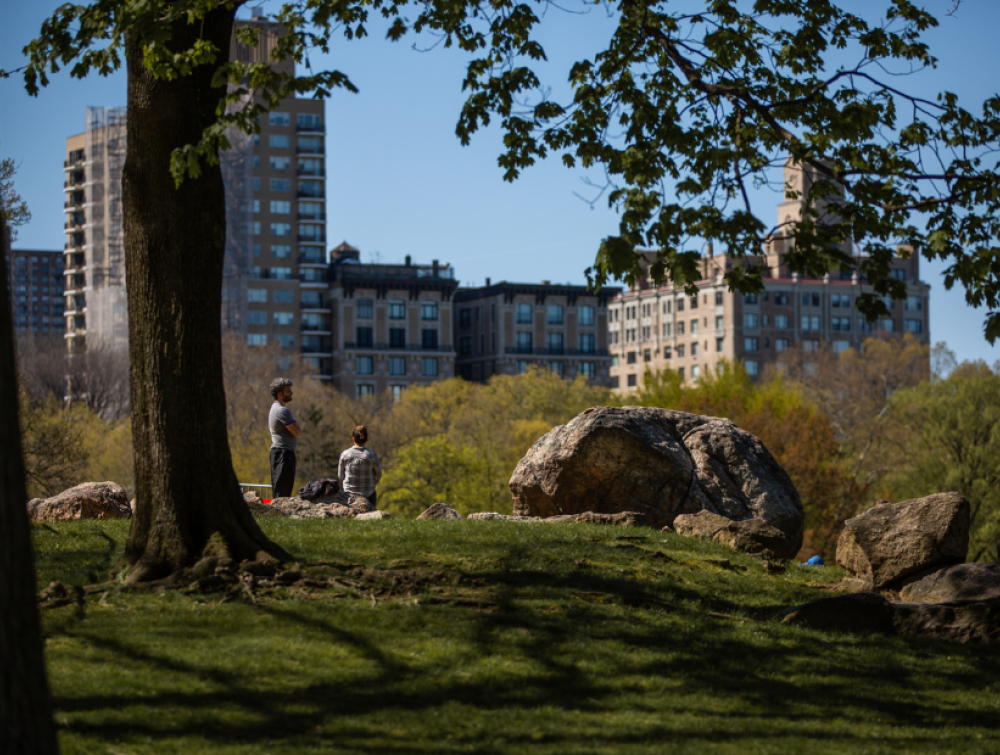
x=550, y=639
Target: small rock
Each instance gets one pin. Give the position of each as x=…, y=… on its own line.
x=753, y=536
x=89, y=500
x=372, y=515
x=621, y=519
x=959, y=582
x=440, y=511
x=482, y=516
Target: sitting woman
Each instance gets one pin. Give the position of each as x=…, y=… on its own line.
x=360, y=470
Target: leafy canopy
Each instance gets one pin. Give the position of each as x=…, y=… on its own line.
x=688, y=106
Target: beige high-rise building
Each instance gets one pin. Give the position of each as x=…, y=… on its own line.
x=276, y=263
x=659, y=326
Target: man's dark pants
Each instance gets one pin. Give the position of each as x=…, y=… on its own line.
x=282, y=471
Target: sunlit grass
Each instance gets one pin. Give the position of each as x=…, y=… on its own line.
x=587, y=640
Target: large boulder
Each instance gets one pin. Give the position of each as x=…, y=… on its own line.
x=661, y=463
x=338, y=506
x=753, y=536
x=89, y=500
x=961, y=621
x=959, y=582
x=889, y=542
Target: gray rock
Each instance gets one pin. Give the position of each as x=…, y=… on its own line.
x=483, y=516
x=959, y=582
x=371, y=515
x=440, y=511
x=660, y=463
x=621, y=519
x=889, y=542
x=88, y=500
x=753, y=536
x=960, y=621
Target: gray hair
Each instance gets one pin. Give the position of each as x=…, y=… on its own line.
x=278, y=385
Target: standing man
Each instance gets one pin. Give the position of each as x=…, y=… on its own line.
x=285, y=433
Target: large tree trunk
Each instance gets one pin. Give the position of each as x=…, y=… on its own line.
x=26, y=724
x=188, y=500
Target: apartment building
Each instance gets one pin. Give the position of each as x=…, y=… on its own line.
x=35, y=284
x=659, y=326
x=275, y=211
x=505, y=327
x=385, y=326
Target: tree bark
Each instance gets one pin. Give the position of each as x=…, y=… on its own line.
x=26, y=725
x=188, y=502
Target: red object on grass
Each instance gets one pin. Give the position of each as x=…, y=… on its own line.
x=266, y=500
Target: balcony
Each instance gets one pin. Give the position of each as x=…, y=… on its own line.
x=74, y=202
x=320, y=218
x=554, y=351
x=311, y=239
x=308, y=172
x=319, y=149
x=310, y=128
x=319, y=304
x=353, y=346
x=316, y=327
x=308, y=193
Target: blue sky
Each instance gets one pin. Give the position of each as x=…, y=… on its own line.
x=399, y=181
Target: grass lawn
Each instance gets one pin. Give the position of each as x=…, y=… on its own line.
x=493, y=637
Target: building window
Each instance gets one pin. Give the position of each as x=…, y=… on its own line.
x=256, y=228
x=365, y=365
x=781, y=298
x=680, y=371
x=752, y=368
x=695, y=371
x=630, y=358
x=898, y=274
x=397, y=365
x=586, y=369
x=680, y=305
x=864, y=326
x=257, y=295
x=680, y=328
x=256, y=318
x=720, y=344
x=279, y=207
x=281, y=251
x=666, y=352
x=646, y=333
x=840, y=323
x=465, y=318
x=810, y=322
x=750, y=320
x=588, y=343
x=810, y=300
x=840, y=300
x=841, y=346
x=554, y=343
x=281, y=273
x=780, y=344
x=428, y=310
x=781, y=321
x=364, y=337
x=915, y=326
x=913, y=303
x=586, y=315
x=694, y=302
x=557, y=368
x=429, y=366
x=631, y=381
x=554, y=314
x=284, y=295
x=465, y=345
x=647, y=355
x=365, y=389
x=281, y=229
x=429, y=339
x=257, y=339
x=281, y=184
x=280, y=163
x=718, y=298
x=279, y=141
x=694, y=327
x=284, y=318
x=667, y=307
x=363, y=309
x=524, y=313
x=666, y=330
x=521, y=366
x=279, y=119
x=750, y=298
x=694, y=349
x=397, y=338
x=524, y=342
x=750, y=344
x=680, y=351
x=719, y=322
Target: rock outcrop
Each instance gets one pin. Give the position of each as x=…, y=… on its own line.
x=338, y=506
x=440, y=511
x=658, y=462
x=89, y=500
x=889, y=542
x=753, y=536
x=961, y=621
x=959, y=582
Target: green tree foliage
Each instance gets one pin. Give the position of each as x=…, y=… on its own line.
x=795, y=430
x=684, y=108
x=953, y=443
x=13, y=210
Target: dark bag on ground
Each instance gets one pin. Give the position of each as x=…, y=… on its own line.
x=319, y=489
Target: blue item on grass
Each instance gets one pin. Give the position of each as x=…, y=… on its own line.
x=815, y=561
